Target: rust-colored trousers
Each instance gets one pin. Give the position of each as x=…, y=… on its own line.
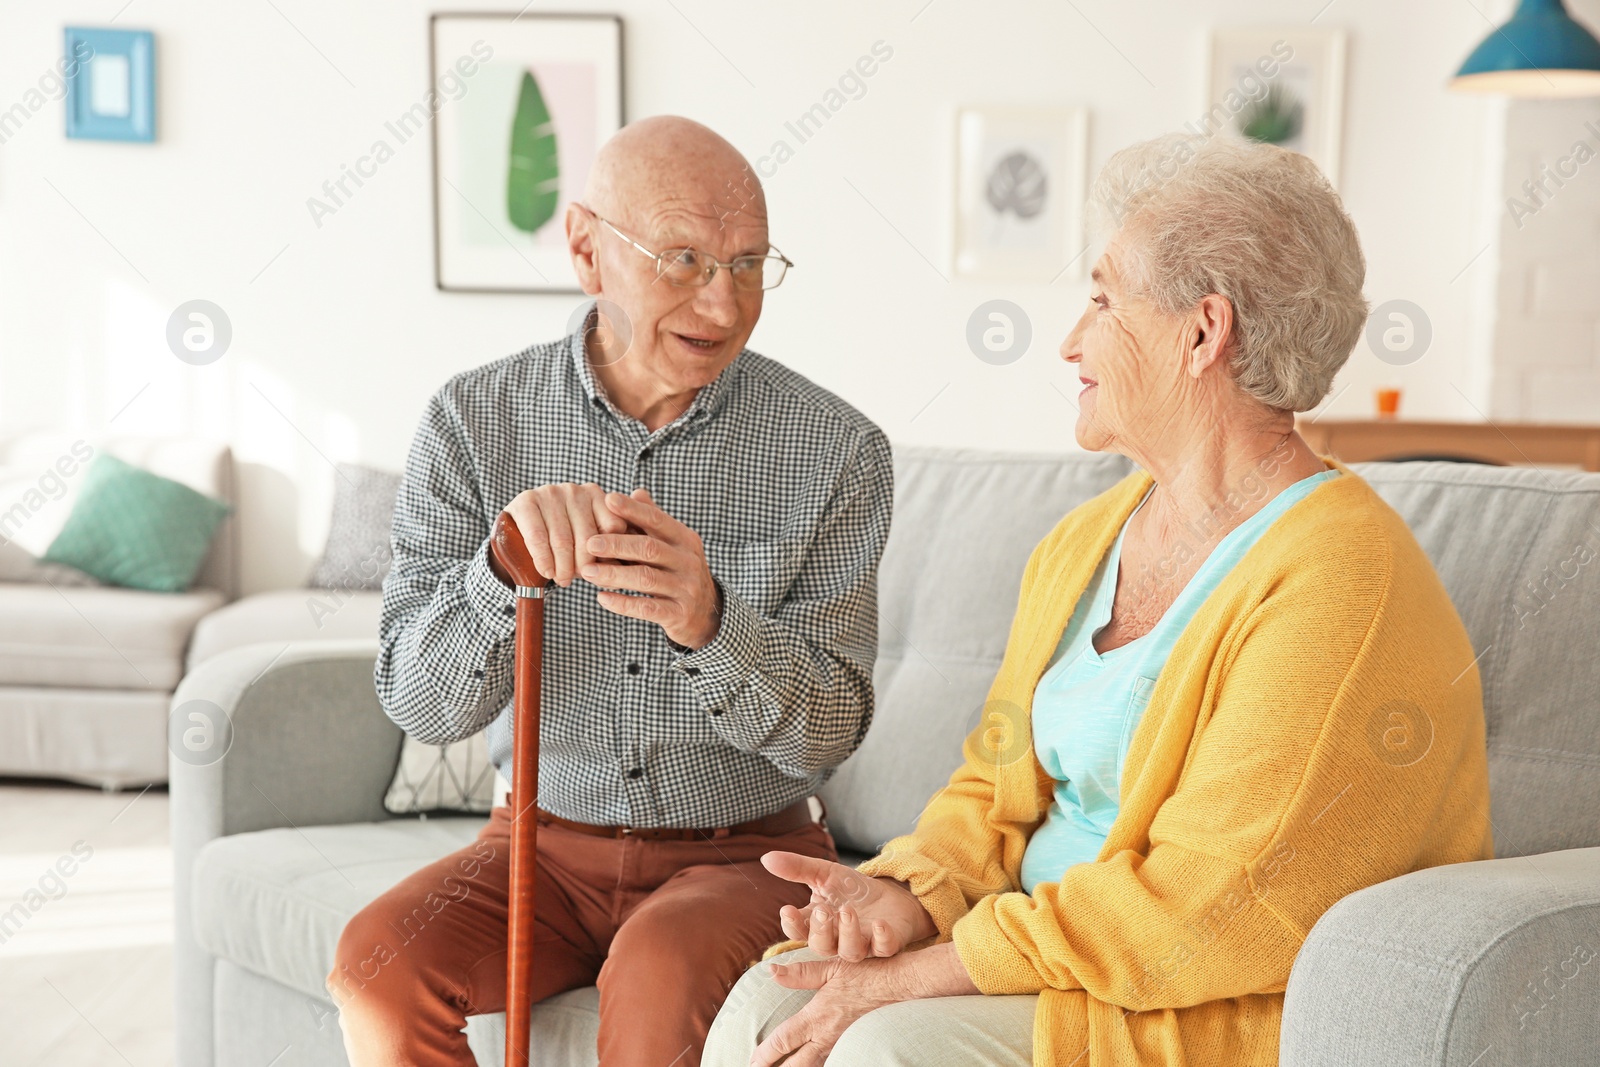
x=664, y=928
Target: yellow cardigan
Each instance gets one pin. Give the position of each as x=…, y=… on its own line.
x=1317, y=728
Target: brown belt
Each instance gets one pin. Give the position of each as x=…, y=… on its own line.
x=793, y=817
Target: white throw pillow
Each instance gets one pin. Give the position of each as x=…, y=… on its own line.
x=17, y=564
x=455, y=778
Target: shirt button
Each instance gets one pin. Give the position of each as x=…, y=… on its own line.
x=634, y=668
x=716, y=711
x=477, y=674
x=510, y=609
x=636, y=773
x=692, y=671
x=644, y=454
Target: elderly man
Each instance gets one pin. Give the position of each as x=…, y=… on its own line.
x=713, y=523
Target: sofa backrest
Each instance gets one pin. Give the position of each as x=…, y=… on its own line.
x=1518, y=549
x=42, y=465
x=964, y=525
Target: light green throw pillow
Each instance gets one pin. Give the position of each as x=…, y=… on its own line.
x=133, y=528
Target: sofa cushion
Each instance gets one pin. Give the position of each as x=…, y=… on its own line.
x=133, y=528
x=286, y=615
x=98, y=637
x=275, y=901
x=357, y=553
x=262, y=1016
x=964, y=526
x=564, y=1032
x=1518, y=550
x=443, y=779
x=17, y=564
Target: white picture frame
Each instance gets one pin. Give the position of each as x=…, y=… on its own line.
x=1020, y=188
x=575, y=63
x=1304, y=65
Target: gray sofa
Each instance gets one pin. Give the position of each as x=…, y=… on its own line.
x=1483, y=964
x=286, y=616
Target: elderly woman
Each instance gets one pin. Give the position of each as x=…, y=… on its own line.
x=1235, y=690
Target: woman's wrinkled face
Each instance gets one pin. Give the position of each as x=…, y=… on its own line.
x=1129, y=358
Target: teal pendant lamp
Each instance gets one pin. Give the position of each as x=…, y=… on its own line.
x=1542, y=51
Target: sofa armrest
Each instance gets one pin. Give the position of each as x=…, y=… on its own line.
x=1488, y=964
x=310, y=743
x=307, y=743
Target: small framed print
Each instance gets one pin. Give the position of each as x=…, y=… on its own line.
x=522, y=103
x=1020, y=188
x=111, y=84
x=1282, y=86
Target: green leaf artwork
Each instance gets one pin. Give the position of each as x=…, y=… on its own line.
x=533, y=178
x=1276, y=118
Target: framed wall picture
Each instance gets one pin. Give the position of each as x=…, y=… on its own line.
x=522, y=103
x=1020, y=174
x=1283, y=86
x=111, y=84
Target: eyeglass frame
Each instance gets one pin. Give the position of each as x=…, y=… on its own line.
x=716, y=264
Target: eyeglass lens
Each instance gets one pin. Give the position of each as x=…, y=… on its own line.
x=687, y=266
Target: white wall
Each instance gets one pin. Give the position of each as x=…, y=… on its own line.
x=1547, y=329
x=340, y=339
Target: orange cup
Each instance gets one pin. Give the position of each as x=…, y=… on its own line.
x=1388, y=403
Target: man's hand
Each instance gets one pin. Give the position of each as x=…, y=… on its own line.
x=665, y=561
x=850, y=915
x=557, y=522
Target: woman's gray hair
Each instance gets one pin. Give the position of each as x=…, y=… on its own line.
x=1252, y=222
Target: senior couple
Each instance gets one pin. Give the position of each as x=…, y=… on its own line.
x=1198, y=655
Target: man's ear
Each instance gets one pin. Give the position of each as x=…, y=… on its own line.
x=584, y=249
x=1213, y=319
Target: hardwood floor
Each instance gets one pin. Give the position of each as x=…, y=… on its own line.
x=85, y=926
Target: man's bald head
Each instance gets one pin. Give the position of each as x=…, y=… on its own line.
x=675, y=163
x=665, y=184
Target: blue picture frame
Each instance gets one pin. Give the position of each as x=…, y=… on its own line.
x=111, y=95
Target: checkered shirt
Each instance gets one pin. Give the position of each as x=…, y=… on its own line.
x=790, y=490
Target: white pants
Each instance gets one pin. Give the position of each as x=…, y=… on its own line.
x=974, y=1031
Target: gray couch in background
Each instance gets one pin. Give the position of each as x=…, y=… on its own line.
x=285, y=838
x=286, y=616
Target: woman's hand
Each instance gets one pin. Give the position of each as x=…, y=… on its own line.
x=850, y=915
x=847, y=991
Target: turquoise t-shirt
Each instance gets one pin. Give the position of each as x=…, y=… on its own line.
x=1086, y=705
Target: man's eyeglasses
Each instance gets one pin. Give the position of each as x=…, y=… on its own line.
x=692, y=267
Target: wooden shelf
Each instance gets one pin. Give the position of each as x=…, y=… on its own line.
x=1512, y=444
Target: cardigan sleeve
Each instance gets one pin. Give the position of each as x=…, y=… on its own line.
x=954, y=858
x=1286, y=802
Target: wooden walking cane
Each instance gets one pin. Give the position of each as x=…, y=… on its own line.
x=511, y=552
